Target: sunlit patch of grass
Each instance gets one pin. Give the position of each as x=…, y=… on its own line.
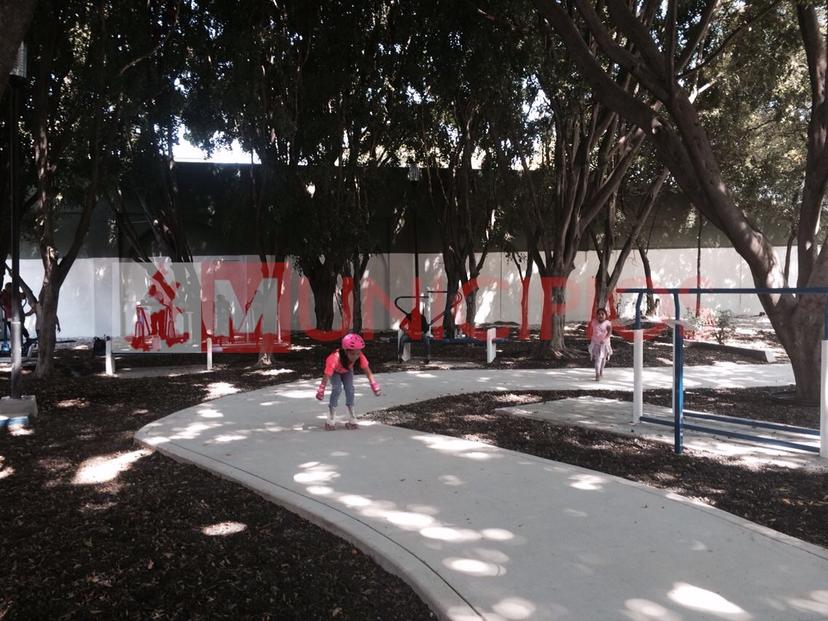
x=5, y=470
x=105, y=468
x=512, y=398
x=222, y=529
x=78, y=403
x=220, y=389
x=271, y=372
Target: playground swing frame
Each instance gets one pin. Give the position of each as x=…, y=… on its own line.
x=491, y=333
x=679, y=412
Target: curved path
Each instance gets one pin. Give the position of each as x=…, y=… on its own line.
x=482, y=532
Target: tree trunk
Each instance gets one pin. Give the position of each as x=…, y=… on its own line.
x=801, y=334
x=344, y=299
x=648, y=281
x=601, y=283
x=788, y=251
x=360, y=263
x=47, y=319
x=806, y=367
x=266, y=341
x=523, y=335
x=357, y=313
x=323, y=285
x=449, y=326
x=553, y=318
x=454, y=273
x=470, y=291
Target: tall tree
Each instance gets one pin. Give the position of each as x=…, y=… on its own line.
x=585, y=150
x=665, y=51
x=633, y=218
x=308, y=87
x=90, y=63
x=464, y=93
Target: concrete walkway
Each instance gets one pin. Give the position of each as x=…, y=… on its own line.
x=482, y=532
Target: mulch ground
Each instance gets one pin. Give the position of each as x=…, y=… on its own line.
x=166, y=540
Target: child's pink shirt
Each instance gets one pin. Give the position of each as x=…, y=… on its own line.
x=334, y=365
x=600, y=330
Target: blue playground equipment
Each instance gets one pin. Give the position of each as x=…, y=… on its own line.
x=679, y=413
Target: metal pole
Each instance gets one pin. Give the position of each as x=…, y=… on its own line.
x=823, y=389
x=416, y=261
x=16, y=353
x=413, y=177
x=638, y=375
x=678, y=379
x=638, y=364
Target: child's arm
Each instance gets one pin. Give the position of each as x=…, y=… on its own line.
x=320, y=392
x=609, y=331
x=374, y=385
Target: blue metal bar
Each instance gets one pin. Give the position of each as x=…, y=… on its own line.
x=678, y=378
x=735, y=420
x=735, y=434
x=693, y=290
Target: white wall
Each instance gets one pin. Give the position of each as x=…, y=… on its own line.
x=90, y=305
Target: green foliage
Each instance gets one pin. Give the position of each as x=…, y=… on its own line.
x=716, y=323
x=756, y=110
x=310, y=87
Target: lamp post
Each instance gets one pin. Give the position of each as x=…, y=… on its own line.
x=16, y=78
x=413, y=178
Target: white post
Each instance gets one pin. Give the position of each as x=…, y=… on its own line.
x=279, y=311
x=823, y=402
x=189, y=327
x=209, y=353
x=405, y=354
x=278, y=321
x=110, y=361
x=428, y=311
x=638, y=372
x=115, y=329
x=491, y=350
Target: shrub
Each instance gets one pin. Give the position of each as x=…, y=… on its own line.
x=723, y=328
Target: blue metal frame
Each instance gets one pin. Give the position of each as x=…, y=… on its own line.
x=675, y=291
x=678, y=378
x=678, y=354
x=734, y=434
x=749, y=422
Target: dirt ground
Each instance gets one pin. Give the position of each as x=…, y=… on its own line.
x=163, y=540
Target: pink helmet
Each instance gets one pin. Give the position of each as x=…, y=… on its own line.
x=352, y=341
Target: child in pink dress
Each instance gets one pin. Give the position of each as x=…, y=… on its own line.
x=600, y=349
x=339, y=369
